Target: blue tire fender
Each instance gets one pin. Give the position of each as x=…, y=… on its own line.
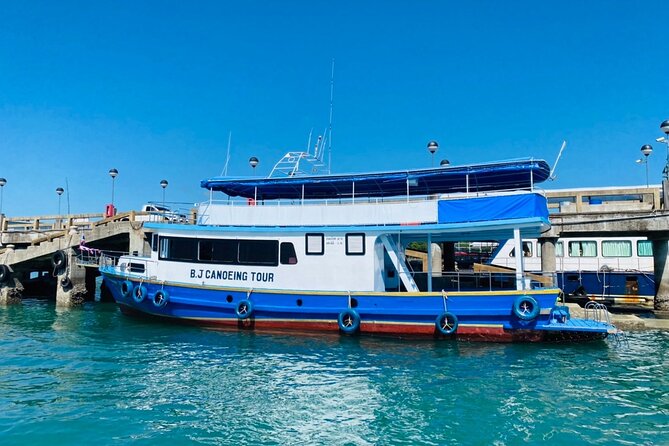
x=526, y=308
x=244, y=309
x=349, y=321
x=161, y=298
x=139, y=293
x=447, y=323
x=126, y=288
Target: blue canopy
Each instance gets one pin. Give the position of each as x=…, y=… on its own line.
x=504, y=175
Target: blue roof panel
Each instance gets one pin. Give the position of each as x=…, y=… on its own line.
x=504, y=175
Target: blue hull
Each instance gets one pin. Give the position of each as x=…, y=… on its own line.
x=489, y=316
x=615, y=288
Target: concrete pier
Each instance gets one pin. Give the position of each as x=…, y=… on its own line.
x=44, y=253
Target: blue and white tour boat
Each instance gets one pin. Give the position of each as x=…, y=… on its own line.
x=326, y=253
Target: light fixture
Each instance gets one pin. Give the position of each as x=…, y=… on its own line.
x=432, y=147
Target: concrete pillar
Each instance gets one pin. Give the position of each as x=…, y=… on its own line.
x=138, y=245
x=520, y=259
x=436, y=259
x=661, y=270
x=11, y=292
x=70, y=283
x=548, y=263
x=448, y=256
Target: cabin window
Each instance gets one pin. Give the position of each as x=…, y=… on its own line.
x=583, y=249
x=644, y=248
x=218, y=251
x=559, y=249
x=137, y=268
x=527, y=250
x=355, y=244
x=259, y=252
x=173, y=248
x=617, y=248
x=287, y=254
x=315, y=244
x=154, y=242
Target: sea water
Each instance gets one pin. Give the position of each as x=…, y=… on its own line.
x=93, y=376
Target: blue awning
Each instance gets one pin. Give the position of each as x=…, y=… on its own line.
x=505, y=175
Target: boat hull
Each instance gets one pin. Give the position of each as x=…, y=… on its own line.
x=612, y=288
x=481, y=316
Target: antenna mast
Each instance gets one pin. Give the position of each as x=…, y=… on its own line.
x=551, y=175
x=330, y=125
x=227, y=156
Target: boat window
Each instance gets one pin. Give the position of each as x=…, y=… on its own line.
x=315, y=244
x=154, y=242
x=527, y=250
x=174, y=248
x=259, y=252
x=644, y=248
x=355, y=244
x=583, y=249
x=288, y=256
x=164, y=248
x=617, y=248
x=218, y=251
x=136, y=267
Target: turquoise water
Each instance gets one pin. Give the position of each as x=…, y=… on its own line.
x=93, y=375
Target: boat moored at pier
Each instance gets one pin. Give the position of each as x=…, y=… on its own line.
x=327, y=253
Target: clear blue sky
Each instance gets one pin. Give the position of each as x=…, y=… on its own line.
x=153, y=89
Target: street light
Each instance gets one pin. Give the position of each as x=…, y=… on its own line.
x=163, y=184
x=432, y=147
x=2, y=216
x=59, y=191
x=646, y=149
x=665, y=139
x=253, y=162
x=113, y=173
x=2, y=188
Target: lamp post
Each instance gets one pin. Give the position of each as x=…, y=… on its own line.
x=163, y=184
x=253, y=162
x=646, y=149
x=2, y=216
x=113, y=173
x=432, y=147
x=445, y=163
x=2, y=188
x=59, y=191
x=665, y=139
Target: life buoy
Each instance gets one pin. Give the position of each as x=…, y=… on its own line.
x=65, y=282
x=526, y=308
x=161, y=298
x=139, y=293
x=5, y=273
x=59, y=259
x=126, y=288
x=447, y=323
x=349, y=321
x=244, y=309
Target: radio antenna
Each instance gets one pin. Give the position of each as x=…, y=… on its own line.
x=330, y=124
x=552, y=176
x=227, y=157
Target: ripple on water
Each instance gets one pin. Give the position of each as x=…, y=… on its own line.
x=86, y=374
